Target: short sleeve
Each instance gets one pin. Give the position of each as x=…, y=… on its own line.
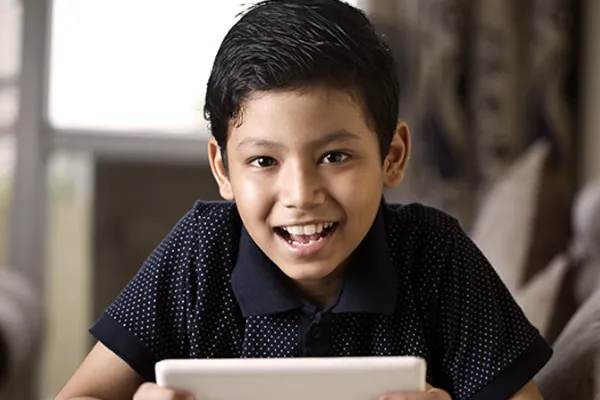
x=148, y=320
x=490, y=350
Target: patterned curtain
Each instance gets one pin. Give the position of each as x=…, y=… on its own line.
x=485, y=79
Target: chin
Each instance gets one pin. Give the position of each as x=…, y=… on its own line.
x=308, y=273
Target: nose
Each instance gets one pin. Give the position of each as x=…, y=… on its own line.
x=301, y=187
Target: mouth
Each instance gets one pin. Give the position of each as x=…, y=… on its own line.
x=306, y=235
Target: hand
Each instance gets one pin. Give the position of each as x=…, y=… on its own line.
x=151, y=391
x=431, y=394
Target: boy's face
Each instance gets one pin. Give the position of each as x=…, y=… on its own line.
x=306, y=173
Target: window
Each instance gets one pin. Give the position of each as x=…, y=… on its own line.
x=135, y=65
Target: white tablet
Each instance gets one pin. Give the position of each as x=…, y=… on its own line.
x=338, y=378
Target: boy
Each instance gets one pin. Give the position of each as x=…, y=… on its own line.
x=307, y=259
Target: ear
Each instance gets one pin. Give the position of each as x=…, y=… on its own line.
x=219, y=170
x=396, y=161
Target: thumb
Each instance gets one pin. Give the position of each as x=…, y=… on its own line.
x=437, y=394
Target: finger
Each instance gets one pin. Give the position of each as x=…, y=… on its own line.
x=438, y=394
x=430, y=394
x=405, y=396
x=151, y=391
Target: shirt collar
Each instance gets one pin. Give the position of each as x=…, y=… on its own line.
x=370, y=284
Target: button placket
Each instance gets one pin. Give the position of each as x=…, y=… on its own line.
x=316, y=331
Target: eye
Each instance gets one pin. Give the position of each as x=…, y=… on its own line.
x=263, y=162
x=334, y=157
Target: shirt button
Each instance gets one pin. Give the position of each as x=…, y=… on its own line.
x=316, y=332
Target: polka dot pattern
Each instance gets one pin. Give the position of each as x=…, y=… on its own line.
x=271, y=336
x=451, y=309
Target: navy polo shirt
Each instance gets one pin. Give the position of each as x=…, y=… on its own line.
x=416, y=285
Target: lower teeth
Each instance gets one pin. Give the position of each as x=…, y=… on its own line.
x=293, y=242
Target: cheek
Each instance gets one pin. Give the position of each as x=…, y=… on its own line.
x=252, y=195
x=357, y=185
x=359, y=192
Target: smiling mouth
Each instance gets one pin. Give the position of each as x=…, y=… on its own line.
x=305, y=235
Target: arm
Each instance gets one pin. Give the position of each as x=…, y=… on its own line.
x=102, y=375
x=529, y=392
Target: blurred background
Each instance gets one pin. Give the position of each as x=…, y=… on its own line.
x=102, y=141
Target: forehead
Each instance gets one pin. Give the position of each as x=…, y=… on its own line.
x=296, y=116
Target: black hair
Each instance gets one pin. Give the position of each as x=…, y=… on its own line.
x=293, y=44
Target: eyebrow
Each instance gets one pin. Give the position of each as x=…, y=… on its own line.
x=336, y=136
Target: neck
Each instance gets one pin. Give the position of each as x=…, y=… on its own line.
x=322, y=292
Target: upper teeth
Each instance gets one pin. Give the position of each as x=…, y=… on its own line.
x=307, y=229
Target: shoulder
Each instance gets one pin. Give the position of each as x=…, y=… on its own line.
x=419, y=225
x=208, y=221
x=422, y=241
x=203, y=236
x=184, y=279
x=207, y=234
x=213, y=214
x=217, y=225
x=417, y=214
